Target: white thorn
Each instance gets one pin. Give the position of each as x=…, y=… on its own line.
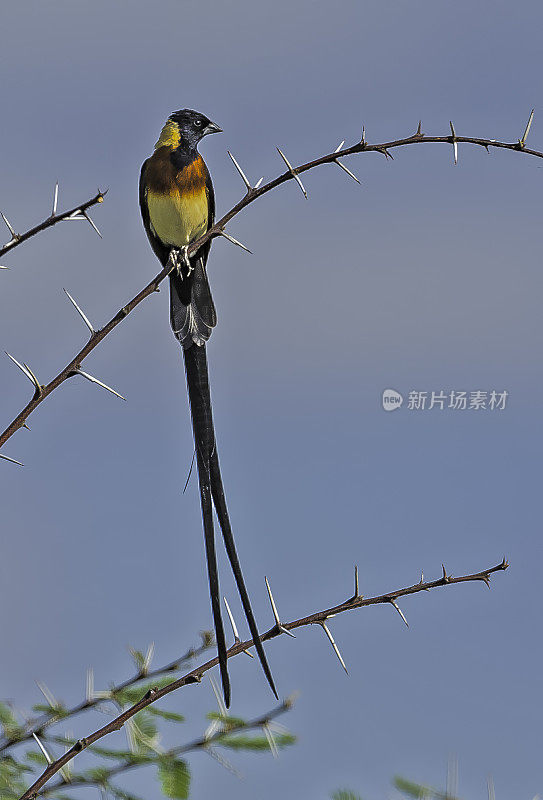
x=80, y=312
x=25, y=370
x=89, y=685
x=400, y=612
x=455, y=143
x=235, y=241
x=340, y=145
x=33, y=378
x=13, y=461
x=55, y=200
x=271, y=741
x=42, y=748
x=490, y=787
x=9, y=226
x=241, y=172
x=363, y=135
x=218, y=697
x=527, y=129
x=272, y=602
x=91, y=223
x=95, y=380
x=293, y=172
x=148, y=658
x=348, y=171
x=334, y=645
x=232, y=621
x=48, y=694
x=356, y=592
x=77, y=214
x=257, y=184
x=1, y=267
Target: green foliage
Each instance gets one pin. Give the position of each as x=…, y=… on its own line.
x=10, y=727
x=174, y=776
x=131, y=695
x=344, y=794
x=12, y=783
x=169, y=715
x=121, y=794
x=415, y=790
x=37, y=757
x=255, y=743
x=44, y=708
x=227, y=721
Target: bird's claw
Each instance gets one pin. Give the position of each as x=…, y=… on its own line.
x=180, y=258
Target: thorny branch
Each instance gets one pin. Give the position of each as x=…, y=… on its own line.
x=224, y=729
x=195, y=675
x=37, y=727
x=252, y=194
x=77, y=212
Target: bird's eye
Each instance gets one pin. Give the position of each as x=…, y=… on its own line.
x=198, y=123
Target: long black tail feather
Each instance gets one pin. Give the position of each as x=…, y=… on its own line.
x=211, y=488
x=224, y=520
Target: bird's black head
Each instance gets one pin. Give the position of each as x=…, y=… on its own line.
x=185, y=128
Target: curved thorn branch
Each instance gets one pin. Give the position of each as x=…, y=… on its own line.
x=217, y=230
x=195, y=675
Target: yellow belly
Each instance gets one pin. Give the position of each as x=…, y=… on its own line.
x=178, y=220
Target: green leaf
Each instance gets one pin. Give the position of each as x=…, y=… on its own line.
x=37, y=758
x=258, y=743
x=416, y=790
x=44, y=708
x=227, y=721
x=124, y=755
x=138, y=658
x=133, y=694
x=145, y=730
x=169, y=715
x=344, y=794
x=11, y=778
x=96, y=775
x=11, y=727
x=121, y=794
x=174, y=777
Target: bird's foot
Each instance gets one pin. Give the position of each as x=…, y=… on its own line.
x=181, y=261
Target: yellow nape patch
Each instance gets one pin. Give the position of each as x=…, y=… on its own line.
x=178, y=218
x=169, y=136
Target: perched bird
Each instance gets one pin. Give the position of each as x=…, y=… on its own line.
x=178, y=205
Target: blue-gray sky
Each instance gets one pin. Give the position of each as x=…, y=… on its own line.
x=426, y=277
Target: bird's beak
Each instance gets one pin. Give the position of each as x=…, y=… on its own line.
x=212, y=128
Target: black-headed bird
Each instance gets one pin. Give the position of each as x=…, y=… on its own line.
x=178, y=205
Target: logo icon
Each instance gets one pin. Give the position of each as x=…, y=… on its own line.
x=391, y=399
